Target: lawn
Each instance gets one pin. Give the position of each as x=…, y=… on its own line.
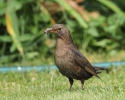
x=53, y=86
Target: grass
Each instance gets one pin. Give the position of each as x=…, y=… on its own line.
x=53, y=86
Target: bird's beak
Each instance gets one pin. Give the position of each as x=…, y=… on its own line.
x=49, y=30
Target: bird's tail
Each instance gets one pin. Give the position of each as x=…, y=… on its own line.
x=98, y=69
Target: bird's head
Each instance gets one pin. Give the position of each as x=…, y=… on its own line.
x=60, y=30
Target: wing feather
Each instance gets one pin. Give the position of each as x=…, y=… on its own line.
x=83, y=62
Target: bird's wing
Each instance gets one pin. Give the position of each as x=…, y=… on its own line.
x=81, y=61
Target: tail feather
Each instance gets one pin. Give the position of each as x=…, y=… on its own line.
x=98, y=69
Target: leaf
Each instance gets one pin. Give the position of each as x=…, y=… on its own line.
x=93, y=32
x=13, y=30
x=25, y=37
x=2, y=7
x=7, y=58
x=13, y=48
x=101, y=43
x=97, y=22
x=5, y=38
x=13, y=5
x=31, y=55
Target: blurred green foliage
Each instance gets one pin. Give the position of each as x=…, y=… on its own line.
x=95, y=26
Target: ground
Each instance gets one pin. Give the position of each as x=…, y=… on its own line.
x=52, y=85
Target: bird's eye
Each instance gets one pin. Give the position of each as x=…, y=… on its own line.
x=59, y=28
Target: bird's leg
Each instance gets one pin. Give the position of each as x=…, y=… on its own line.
x=71, y=83
x=82, y=83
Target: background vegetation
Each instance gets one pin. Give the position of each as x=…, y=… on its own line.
x=96, y=25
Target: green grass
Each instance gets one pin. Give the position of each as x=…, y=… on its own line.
x=53, y=86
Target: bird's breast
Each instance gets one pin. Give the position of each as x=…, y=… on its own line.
x=64, y=62
x=62, y=58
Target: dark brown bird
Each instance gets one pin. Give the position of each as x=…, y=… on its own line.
x=70, y=62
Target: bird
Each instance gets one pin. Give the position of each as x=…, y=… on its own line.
x=68, y=59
